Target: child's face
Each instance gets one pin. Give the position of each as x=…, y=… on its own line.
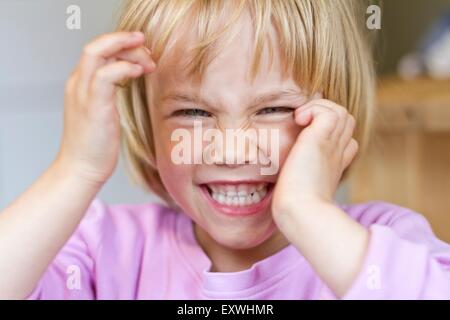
x=235, y=222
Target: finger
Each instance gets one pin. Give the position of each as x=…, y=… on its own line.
x=349, y=153
x=96, y=53
x=106, y=78
x=309, y=104
x=110, y=60
x=303, y=115
x=140, y=55
x=347, y=133
x=304, y=118
x=343, y=119
x=321, y=118
x=340, y=110
x=72, y=81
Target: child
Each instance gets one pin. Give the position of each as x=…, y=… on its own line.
x=228, y=231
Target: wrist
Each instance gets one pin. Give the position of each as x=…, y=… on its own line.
x=66, y=170
x=301, y=212
x=300, y=205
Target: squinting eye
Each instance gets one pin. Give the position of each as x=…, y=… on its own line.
x=270, y=110
x=191, y=113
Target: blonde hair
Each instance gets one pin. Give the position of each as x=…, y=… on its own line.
x=323, y=45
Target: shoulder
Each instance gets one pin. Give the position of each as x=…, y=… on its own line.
x=405, y=222
x=377, y=212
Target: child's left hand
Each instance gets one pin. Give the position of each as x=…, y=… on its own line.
x=323, y=150
x=302, y=202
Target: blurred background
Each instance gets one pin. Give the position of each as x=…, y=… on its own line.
x=408, y=162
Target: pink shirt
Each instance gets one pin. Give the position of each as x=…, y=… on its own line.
x=149, y=252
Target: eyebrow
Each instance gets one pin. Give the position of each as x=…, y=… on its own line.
x=184, y=97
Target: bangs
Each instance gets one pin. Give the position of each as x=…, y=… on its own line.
x=194, y=32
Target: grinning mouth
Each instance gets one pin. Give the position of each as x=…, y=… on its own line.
x=238, y=194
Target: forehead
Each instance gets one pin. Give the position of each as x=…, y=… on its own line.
x=230, y=68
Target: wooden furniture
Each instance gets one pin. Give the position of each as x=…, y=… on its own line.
x=408, y=162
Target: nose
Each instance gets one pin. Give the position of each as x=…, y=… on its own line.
x=237, y=148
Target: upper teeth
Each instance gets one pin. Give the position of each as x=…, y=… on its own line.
x=238, y=195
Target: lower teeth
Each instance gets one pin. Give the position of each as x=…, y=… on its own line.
x=252, y=198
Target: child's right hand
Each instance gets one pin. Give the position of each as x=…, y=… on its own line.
x=35, y=226
x=91, y=136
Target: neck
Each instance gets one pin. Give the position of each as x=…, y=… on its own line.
x=224, y=259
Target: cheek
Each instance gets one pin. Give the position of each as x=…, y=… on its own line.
x=288, y=131
x=288, y=136
x=176, y=177
x=163, y=152
x=178, y=180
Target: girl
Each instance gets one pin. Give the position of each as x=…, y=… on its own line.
x=299, y=68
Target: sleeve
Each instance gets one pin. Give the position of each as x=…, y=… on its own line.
x=404, y=261
x=71, y=274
